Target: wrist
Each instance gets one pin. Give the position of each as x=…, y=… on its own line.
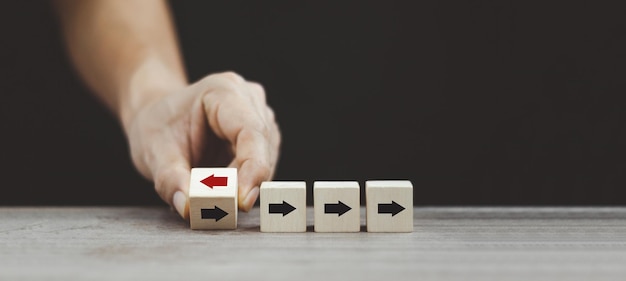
x=151, y=81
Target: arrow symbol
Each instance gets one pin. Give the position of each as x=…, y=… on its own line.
x=284, y=208
x=393, y=208
x=217, y=214
x=212, y=181
x=340, y=208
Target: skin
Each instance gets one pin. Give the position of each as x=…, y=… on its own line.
x=126, y=51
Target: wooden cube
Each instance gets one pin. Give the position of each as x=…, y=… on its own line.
x=213, y=198
x=283, y=206
x=389, y=206
x=337, y=206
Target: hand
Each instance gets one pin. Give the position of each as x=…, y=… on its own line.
x=220, y=120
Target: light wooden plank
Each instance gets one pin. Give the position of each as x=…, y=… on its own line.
x=153, y=243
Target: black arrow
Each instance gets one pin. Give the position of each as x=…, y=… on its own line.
x=217, y=214
x=340, y=208
x=284, y=208
x=393, y=208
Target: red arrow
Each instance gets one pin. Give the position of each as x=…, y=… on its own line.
x=212, y=181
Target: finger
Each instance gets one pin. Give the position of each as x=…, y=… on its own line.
x=259, y=99
x=171, y=176
x=274, y=140
x=235, y=118
x=237, y=112
x=256, y=94
x=251, y=175
x=253, y=161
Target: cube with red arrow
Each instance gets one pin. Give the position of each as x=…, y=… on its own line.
x=213, y=198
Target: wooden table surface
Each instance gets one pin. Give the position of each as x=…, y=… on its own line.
x=152, y=243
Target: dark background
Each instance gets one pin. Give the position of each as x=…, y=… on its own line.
x=477, y=102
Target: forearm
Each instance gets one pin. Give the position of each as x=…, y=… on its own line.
x=125, y=50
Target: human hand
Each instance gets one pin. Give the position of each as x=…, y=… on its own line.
x=217, y=121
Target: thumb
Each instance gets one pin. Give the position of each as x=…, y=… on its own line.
x=172, y=183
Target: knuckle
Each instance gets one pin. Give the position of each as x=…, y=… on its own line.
x=257, y=87
x=255, y=122
x=231, y=76
x=271, y=115
x=253, y=129
x=223, y=82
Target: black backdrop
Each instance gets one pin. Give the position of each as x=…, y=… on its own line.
x=477, y=102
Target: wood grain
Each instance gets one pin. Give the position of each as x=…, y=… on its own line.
x=133, y=243
x=283, y=193
x=345, y=196
x=397, y=195
x=221, y=200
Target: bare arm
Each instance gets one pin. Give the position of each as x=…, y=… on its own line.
x=126, y=51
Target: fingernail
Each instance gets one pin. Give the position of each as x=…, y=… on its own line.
x=180, y=200
x=250, y=199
